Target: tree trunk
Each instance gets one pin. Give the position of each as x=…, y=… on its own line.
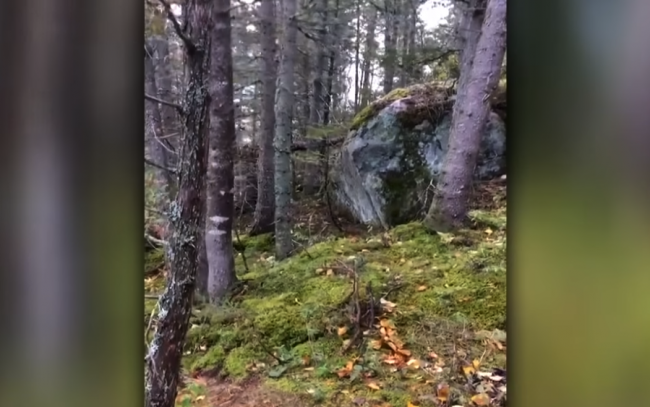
x=390, y=41
x=333, y=41
x=471, y=20
x=368, y=55
x=357, y=46
x=449, y=208
x=164, y=357
x=265, y=207
x=282, y=141
x=221, y=155
x=321, y=60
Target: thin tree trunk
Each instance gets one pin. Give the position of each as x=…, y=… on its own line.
x=333, y=41
x=163, y=360
x=449, y=208
x=265, y=207
x=368, y=55
x=357, y=47
x=282, y=141
x=321, y=60
x=390, y=41
x=221, y=155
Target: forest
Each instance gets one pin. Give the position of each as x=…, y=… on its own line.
x=325, y=203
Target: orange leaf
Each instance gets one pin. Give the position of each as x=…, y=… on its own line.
x=476, y=363
x=481, y=399
x=469, y=370
x=342, y=330
x=409, y=404
x=306, y=360
x=443, y=392
x=404, y=352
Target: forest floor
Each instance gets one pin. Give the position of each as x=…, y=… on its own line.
x=357, y=317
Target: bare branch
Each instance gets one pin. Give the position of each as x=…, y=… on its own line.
x=189, y=44
x=176, y=106
x=160, y=167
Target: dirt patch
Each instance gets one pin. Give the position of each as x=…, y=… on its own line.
x=248, y=393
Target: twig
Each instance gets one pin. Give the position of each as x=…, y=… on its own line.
x=152, y=296
x=150, y=324
x=160, y=167
x=357, y=306
x=176, y=106
x=242, y=250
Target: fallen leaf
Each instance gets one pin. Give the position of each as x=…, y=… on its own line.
x=469, y=370
x=442, y=392
x=373, y=386
x=385, y=323
x=330, y=272
x=306, y=360
x=308, y=369
x=476, y=363
x=409, y=404
x=376, y=344
x=404, y=352
x=488, y=231
x=433, y=355
x=199, y=398
x=481, y=399
x=338, y=251
x=346, y=343
x=342, y=330
x=414, y=363
x=319, y=271
x=422, y=288
x=387, y=305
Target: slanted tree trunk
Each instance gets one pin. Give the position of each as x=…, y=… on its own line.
x=449, y=208
x=221, y=156
x=472, y=15
x=265, y=206
x=163, y=359
x=282, y=141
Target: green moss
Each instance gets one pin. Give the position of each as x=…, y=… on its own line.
x=373, y=108
x=238, y=360
x=214, y=357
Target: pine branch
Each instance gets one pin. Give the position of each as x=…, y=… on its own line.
x=176, y=106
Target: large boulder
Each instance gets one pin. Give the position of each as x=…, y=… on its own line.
x=385, y=172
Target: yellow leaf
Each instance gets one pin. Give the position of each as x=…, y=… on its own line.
x=422, y=288
x=409, y=404
x=488, y=231
x=199, y=398
x=330, y=272
x=476, y=363
x=342, y=330
x=308, y=369
x=469, y=370
x=385, y=323
x=373, y=385
x=481, y=399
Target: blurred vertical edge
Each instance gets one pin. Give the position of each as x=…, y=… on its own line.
x=71, y=203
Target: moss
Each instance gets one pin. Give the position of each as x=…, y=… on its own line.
x=373, y=108
x=214, y=357
x=238, y=360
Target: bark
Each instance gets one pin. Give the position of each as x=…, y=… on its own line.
x=449, y=208
x=368, y=55
x=331, y=68
x=282, y=141
x=390, y=42
x=357, y=56
x=321, y=60
x=265, y=206
x=221, y=153
x=164, y=356
x=472, y=15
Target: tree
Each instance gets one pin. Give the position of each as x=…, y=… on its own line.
x=221, y=151
x=265, y=205
x=449, y=207
x=283, y=129
x=162, y=362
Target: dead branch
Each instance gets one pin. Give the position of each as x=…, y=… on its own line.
x=176, y=106
x=160, y=167
x=189, y=44
x=241, y=249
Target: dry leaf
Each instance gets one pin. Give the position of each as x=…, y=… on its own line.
x=385, y=323
x=469, y=370
x=346, y=343
x=488, y=231
x=402, y=260
x=306, y=360
x=376, y=344
x=476, y=363
x=481, y=399
x=330, y=272
x=422, y=288
x=308, y=369
x=373, y=385
x=319, y=271
x=433, y=355
x=443, y=392
x=199, y=398
x=404, y=352
x=342, y=330
x=409, y=404
x=414, y=363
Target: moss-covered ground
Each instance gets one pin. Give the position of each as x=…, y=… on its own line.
x=429, y=308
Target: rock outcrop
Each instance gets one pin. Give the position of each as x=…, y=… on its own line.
x=385, y=172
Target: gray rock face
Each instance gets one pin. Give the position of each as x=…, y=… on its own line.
x=385, y=172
